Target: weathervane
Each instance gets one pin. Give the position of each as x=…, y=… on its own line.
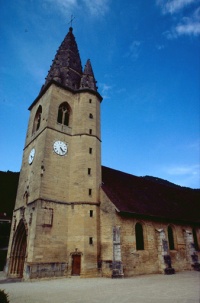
x=72, y=18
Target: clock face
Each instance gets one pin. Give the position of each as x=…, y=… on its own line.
x=60, y=148
x=31, y=155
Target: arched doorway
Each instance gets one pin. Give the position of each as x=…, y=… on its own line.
x=18, y=251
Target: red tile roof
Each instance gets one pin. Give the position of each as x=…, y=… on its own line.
x=151, y=197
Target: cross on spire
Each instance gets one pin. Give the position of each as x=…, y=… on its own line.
x=72, y=18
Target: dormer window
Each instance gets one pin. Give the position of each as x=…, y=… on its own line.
x=63, y=114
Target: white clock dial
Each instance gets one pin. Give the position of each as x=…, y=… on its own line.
x=31, y=156
x=60, y=148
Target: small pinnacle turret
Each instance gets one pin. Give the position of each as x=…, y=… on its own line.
x=66, y=68
x=88, y=80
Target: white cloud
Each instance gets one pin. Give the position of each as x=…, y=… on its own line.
x=105, y=90
x=63, y=5
x=160, y=46
x=97, y=7
x=191, y=28
x=173, y=6
x=183, y=170
x=186, y=23
x=189, y=25
x=94, y=7
x=184, y=175
x=134, y=50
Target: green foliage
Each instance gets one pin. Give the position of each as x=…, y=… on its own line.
x=8, y=190
x=3, y=297
x=4, y=234
x=3, y=254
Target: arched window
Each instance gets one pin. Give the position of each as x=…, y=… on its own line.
x=196, y=244
x=170, y=238
x=63, y=114
x=37, y=119
x=139, y=236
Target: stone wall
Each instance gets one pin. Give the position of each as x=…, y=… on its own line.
x=55, y=232
x=156, y=246
x=57, y=204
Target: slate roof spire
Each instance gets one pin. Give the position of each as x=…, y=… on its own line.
x=66, y=68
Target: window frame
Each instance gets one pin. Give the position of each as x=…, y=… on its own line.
x=64, y=114
x=171, y=237
x=139, y=236
x=37, y=120
x=91, y=241
x=195, y=239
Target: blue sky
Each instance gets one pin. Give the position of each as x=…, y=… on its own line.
x=145, y=57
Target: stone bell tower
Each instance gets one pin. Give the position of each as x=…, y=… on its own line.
x=55, y=229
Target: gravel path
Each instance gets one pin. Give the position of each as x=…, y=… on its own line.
x=182, y=287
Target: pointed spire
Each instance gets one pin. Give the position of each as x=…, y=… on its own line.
x=66, y=68
x=88, y=80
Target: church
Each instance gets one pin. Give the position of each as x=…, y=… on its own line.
x=75, y=217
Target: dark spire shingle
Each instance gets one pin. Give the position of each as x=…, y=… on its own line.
x=66, y=68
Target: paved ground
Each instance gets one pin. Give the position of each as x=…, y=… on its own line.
x=182, y=287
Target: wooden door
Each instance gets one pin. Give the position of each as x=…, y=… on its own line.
x=76, y=265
